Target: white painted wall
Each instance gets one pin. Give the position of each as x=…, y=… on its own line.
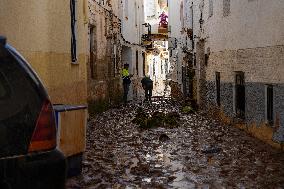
x=251, y=24
x=132, y=18
x=133, y=11
x=175, y=25
x=174, y=18
x=152, y=13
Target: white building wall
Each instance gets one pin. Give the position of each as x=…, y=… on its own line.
x=174, y=18
x=263, y=20
x=180, y=21
x=175, y=27
x=249, y=39
x=132, y=18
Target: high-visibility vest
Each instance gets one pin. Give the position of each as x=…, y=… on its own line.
x=125, y=73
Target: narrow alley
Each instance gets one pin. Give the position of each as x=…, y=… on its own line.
x=141, y=94
x=198, y=152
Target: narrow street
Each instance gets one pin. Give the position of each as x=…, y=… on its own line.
x=142, y=94
x=197, y=153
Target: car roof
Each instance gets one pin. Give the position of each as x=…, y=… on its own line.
x=23, y=63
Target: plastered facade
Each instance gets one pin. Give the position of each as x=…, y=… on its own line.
x=249, y=38
x=180, y=22
x=104, y=64
x=40, y=30
x=132, y=18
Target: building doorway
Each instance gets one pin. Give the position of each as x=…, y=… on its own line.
x=240, y=96
x=218, y=88
x=93, y=50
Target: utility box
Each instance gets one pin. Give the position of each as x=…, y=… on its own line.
x=71, y=135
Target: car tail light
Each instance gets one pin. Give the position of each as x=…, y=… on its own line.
x=44, y=136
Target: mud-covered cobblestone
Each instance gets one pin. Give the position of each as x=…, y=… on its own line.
x=200, y=153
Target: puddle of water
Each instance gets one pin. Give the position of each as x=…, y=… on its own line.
x=182, y=181
x=163, y=156
x=158, y=166
x=134, y=162
x=148, y=180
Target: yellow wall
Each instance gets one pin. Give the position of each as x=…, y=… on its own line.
x=40, y=31
x=71, y=137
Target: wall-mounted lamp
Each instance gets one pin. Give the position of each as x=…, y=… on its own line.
x=147, y=25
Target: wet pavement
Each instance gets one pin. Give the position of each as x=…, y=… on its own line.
x=199, y=153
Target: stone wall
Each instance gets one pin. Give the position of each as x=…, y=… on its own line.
x=261, y=66
x=104, y=65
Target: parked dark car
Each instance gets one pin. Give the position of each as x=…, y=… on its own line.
x=28, y=155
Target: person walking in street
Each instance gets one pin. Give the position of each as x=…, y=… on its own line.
x=126, y=82
x=147, y=85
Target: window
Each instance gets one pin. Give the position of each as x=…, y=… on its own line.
x=166, y=66
x=137, y=63
x=154, y=70
x=181, y=15
x=93, y=51
x=126, y=9
x=73, y=31
x=102, y=2
x=115, y=61
x=206, y=59
x=135, y=12
x=269, y=103
x=240, y=99
x=4, y=87
x=144, y=63
x=226, y=8
x=218, y=86
x=20, y=103
x=210, y=8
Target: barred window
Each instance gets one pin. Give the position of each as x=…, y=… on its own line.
x=218, y=88
x=126, y=8
x=73, y=7
x=210, y=8
x=226, y=8
x=269, y=103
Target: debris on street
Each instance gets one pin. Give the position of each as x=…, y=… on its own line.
x=198, y=153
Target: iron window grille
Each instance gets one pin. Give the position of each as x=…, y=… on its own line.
x=240, y=95
x=269, y=104
x=210, y=8
x=73, y=7
x=226, y=8
x=218, y=86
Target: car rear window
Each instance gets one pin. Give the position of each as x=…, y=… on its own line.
x=4, y=87
x=20, y=104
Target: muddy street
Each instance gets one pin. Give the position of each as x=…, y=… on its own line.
x=197, y=153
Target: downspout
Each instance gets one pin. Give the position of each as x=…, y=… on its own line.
x=192, y=30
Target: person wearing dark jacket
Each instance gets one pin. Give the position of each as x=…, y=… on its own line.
x=126, y=82
x=147, y=85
